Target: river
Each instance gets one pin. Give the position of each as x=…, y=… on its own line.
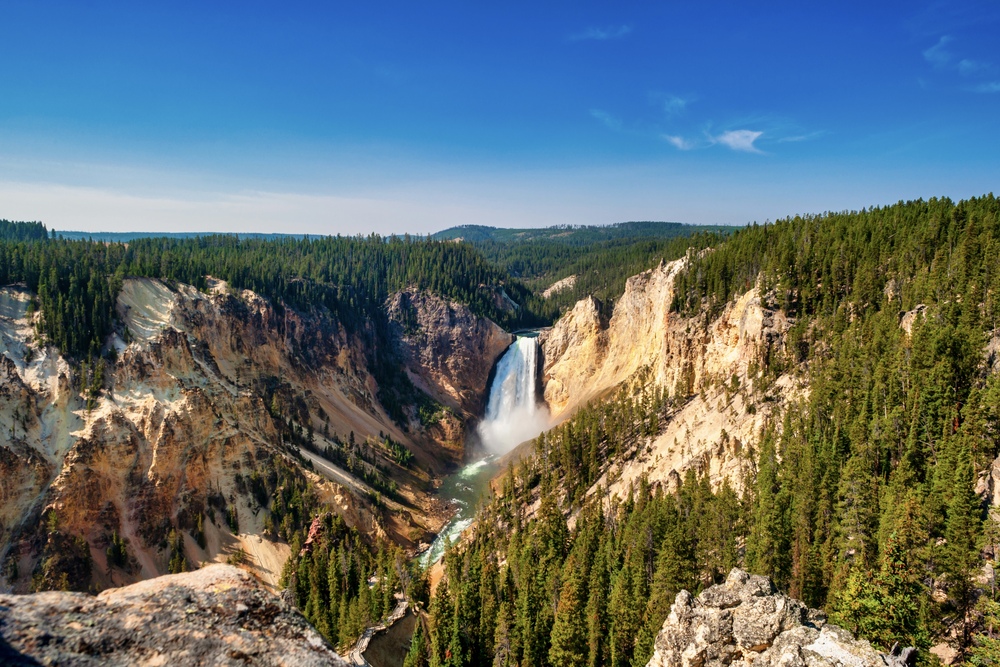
x=464, y=490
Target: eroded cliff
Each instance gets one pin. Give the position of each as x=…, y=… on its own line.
x=448, y=351
x=710, y=365
x=209, y=405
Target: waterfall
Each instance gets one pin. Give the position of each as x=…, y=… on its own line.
x=512, y=411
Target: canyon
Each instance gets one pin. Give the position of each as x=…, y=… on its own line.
x=203, y=382
x=205, y=386
x=205, y=390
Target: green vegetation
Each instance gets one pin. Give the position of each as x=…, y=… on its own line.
x=575, y=235
x=65, y=563
x=862, y=502
x=534, y=592
x=22, y=231
x=600, y=258
x=117, y=551
x=341, y=583
x=77, y=281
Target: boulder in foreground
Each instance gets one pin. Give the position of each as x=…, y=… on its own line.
x=745, y=621
x=218, y=615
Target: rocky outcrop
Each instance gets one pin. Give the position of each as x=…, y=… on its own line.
x=448, y=351
x=746, y=622
x=218, y=615
x=711, y=366
x=558, y=286
x=909, y=318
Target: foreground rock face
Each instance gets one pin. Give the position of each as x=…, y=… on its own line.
x=218, y=615
x=745, y=621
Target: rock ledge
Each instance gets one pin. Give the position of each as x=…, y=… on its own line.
x=746, y=622
x=218, y=615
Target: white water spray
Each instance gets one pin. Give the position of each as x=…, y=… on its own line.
x=512, y=411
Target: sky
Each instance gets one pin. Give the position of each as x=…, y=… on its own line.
x=391, y=117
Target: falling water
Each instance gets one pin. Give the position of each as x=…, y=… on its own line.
x=512, y=416
x=512, y=411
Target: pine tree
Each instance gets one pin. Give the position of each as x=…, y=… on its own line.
x=569, y=631
x=883, y=607
x=962, y=533
x=417, y=655
x=597, y=621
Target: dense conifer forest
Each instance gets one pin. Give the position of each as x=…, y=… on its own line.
x=863, y=499
x=600, y=259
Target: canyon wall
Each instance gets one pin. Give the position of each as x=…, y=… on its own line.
x=448, y=352
x=710, y=365
x=194, y=403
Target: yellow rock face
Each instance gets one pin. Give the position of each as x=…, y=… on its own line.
x=185, y=419
x=710, y=364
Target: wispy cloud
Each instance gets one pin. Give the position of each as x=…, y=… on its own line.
x=939, y=55
x=680, y=143
x=607, y=119
x=674, y=105
x=801, y=137
x=601, y=34
x=941, y=58
x=968, y=67
x=991, y=87
x=739, y=140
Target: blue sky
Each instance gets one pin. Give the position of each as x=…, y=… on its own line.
x=335, y=117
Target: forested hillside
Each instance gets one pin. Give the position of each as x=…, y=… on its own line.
x=575, y=235
x=77, y=280
x=863, y=499
x=597, y=259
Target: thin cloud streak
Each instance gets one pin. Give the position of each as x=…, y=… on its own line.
x=601, y=34
x=941, y=58
x=674, y=105
x=938, y=55
x=968, y=67
x=680, y=143
x=802, y=137
x=607, y=119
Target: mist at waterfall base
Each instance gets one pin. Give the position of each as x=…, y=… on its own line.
x=512, y=417
x=512, y=411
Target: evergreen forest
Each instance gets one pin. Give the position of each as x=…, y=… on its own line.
x=863, y=498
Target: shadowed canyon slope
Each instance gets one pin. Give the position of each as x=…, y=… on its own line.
x=448, y=352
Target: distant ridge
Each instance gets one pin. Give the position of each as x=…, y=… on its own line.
x=124, y=237
x=576, y=234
